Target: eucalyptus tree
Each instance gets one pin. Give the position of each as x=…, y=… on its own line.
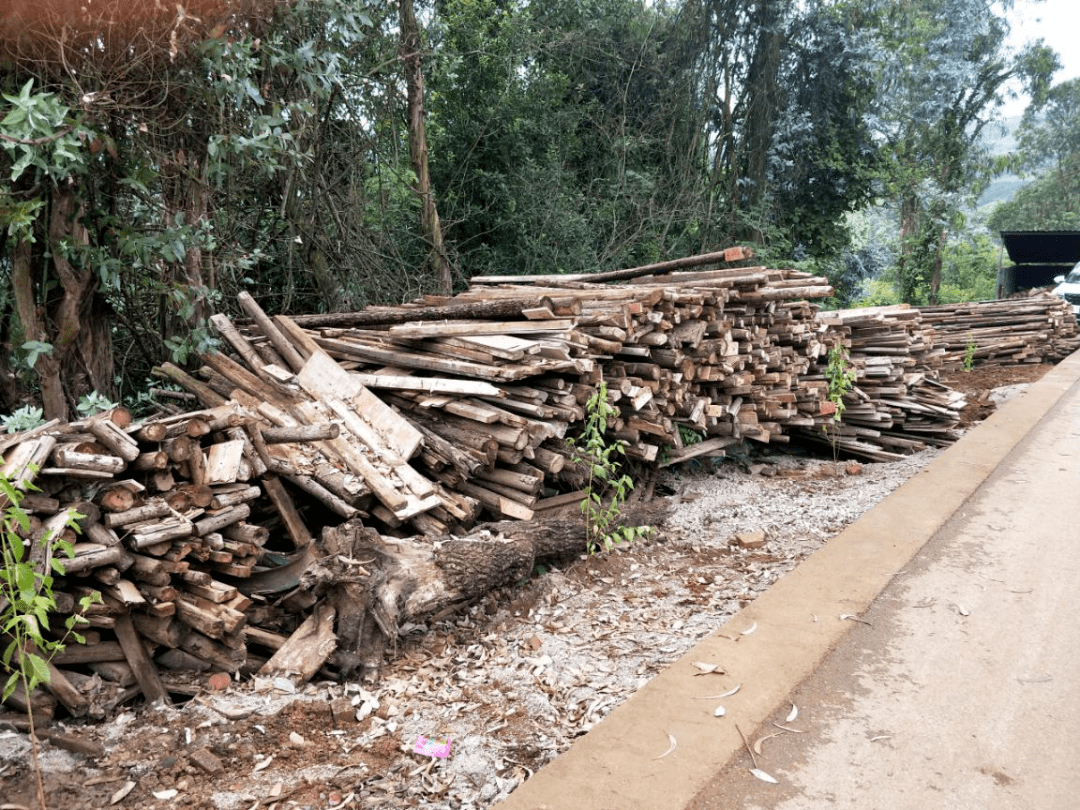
x=783, y=87
x=941, y=70
x=564, y=135
x=1049, y=149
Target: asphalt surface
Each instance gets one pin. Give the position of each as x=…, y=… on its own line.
x=932, y=651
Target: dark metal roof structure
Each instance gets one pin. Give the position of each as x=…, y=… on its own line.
x=1042, y=247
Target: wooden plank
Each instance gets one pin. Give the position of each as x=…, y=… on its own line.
x=322, y=376
x=307, y=649
x=415, y=360
x=727, y=255
x=239, y=343
x=286, y=507
x=146, y=672
x=430, y=385
x=281, y=343
x=223, y=462
x=470, y=328
x=708, y=447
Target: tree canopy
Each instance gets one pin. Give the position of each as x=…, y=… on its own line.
x=1049, y=150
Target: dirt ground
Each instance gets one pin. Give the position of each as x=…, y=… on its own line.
x=511, y=681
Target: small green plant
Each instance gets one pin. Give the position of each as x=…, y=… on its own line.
x=689, y=436
x=969, y=355
x=94, y=402
x=34, y=349
x=591, y=448
x=840, y=377
x=25, y=418
x=26, y=600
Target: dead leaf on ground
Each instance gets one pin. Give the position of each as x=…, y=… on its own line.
x=854, y=618
x=760, y=740
x=728, y=693
x=122, y=792
x=708, y=669
x=764, y=777
x=792, y=730
x=671, y=747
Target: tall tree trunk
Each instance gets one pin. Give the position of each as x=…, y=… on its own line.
x=764, y=105
x=73, y=319
x=418, y=151
x=82, y=342
x=95, y=350
x=907, y=266
x=935, y=270
x=47, y=366
x=187, y=199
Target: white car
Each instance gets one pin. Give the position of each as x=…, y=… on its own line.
x=1068, y=287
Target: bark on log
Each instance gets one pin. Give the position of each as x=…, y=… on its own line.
x=728, y=255
x=278, y=339
x=207, y=396
x=135, y=653
x=481, y=310
x=400, y=579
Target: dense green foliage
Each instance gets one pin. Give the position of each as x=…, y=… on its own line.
x=274, y=147
x=1049, y=140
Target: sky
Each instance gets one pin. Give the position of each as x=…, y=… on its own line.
x=1058, y=23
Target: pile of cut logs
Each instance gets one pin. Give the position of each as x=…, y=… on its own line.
x=1037, y=329
x=896, y=406
x=303, y=512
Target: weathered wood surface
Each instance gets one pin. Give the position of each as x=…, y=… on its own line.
x=343, y=462
x=1037, y=329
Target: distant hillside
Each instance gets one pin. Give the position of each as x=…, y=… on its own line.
x=1000, y=139
x=1002, y=190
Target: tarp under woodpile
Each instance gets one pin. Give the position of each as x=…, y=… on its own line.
x=330, y=485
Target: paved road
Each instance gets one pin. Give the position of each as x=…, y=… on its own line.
x=965, y=691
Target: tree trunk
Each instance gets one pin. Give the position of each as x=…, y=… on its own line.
x=65, y=229
x=764, y=105
x=907, y=265
x=403, y=580
x=935, y=273
x=95, y=350
x=47, y=366
x=418, y=151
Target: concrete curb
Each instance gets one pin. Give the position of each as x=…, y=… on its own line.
x=618, y=764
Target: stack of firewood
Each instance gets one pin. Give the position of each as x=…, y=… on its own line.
x=896, y=406
x=162, y=512
x=291, y=513
x=1036, y=329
